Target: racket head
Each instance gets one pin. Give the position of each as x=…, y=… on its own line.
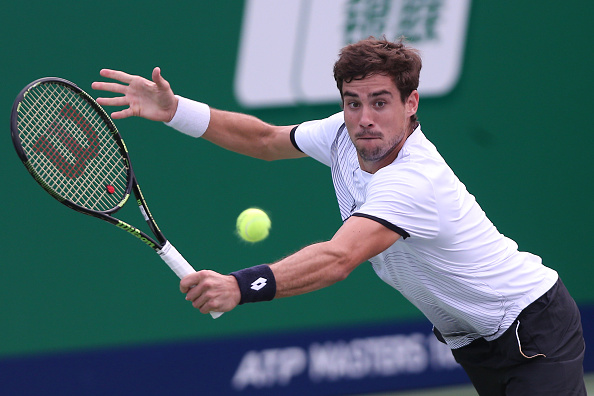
x=71, y=146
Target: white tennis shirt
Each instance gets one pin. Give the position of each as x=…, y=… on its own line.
x=468, y=279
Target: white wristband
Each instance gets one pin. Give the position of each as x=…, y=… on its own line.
x=191, y=117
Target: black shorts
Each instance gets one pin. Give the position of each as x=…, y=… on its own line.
x=542, y=352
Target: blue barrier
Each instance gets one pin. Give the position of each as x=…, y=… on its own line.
x=337, y=361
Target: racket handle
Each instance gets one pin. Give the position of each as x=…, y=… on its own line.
x=179, y=265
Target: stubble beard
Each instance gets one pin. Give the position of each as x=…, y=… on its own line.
x=378, y=153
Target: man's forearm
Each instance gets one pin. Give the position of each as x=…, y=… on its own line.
x=313, y=267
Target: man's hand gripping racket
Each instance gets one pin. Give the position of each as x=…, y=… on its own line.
x=73, y=149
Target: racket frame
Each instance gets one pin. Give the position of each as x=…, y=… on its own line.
x=157, y=242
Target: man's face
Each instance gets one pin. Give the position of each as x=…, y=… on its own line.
x=376, y=119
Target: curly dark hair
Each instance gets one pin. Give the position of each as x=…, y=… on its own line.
x=380, y=56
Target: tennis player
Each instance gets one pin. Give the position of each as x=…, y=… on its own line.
x=508, y=319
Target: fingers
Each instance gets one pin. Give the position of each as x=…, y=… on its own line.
x=202, y=298
x=153, y=100
x=189, y=281
x=115, y=88
x=116, y=75
x=210, y=291
x=111, y=87
x=118, y=115
x=116, y=101
x=159, y=80
x=203, y=304
x=157, y=75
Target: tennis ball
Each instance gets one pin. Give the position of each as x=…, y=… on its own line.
x=253, y=225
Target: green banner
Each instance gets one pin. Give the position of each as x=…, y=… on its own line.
x=514, y=124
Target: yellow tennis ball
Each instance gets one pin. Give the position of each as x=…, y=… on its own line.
x=253, y=225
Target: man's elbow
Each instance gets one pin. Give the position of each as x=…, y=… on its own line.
x=345, y=263
x=275, y=144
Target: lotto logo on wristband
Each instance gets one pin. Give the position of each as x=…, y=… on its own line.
x=262, y=289
x=258, y=283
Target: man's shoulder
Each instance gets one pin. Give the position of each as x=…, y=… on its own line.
x=404, y=174
x=418, y=151
x=332, y=122
x=315, y=138
x=417, y=164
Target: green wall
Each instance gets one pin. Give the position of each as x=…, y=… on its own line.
x=516, y=130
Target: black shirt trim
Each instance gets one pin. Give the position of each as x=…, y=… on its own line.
x=293, y=138
x=385, y=223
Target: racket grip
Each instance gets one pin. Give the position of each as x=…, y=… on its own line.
x=179, y=265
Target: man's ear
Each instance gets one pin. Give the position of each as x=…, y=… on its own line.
x=412, y=103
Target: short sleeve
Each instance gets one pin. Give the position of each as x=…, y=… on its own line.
x=315, y=138
x=405, y=198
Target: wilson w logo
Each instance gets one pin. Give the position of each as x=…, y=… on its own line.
x=59, y=131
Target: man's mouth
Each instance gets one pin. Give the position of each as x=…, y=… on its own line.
x=368, y=135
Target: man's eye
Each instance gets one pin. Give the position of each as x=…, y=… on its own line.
x=380, y=103
x=353, y=105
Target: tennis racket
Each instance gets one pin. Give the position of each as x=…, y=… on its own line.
x=74, y=151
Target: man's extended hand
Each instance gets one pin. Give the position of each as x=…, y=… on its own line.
x=153, y=100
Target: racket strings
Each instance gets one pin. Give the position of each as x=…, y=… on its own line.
x=71, y=148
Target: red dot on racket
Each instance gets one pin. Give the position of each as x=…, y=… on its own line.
x=110, y=189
